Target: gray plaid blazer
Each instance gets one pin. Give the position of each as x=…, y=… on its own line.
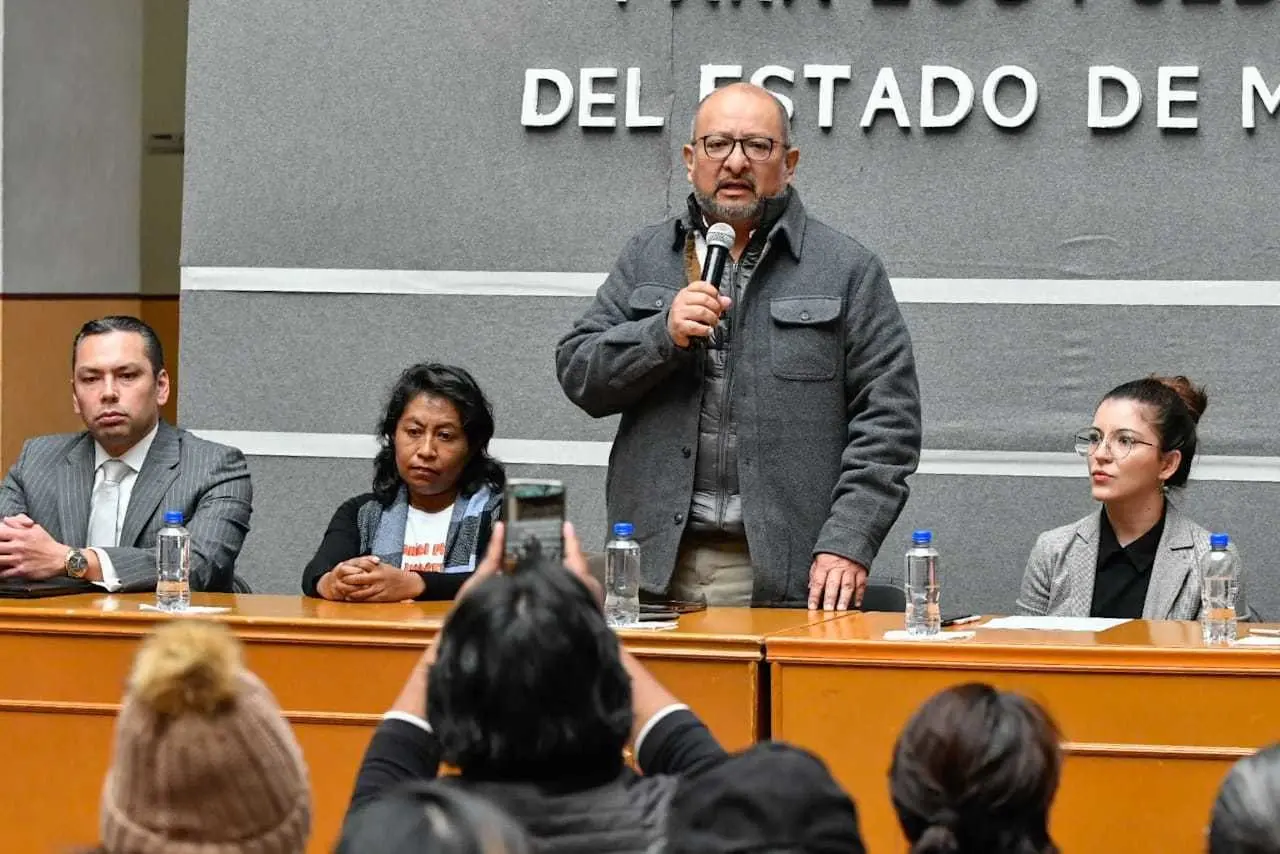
x=52, y=482
x=1060, y=572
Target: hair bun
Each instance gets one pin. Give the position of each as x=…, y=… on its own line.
x=936, y=839
x=187, y=666
x=1192, y=395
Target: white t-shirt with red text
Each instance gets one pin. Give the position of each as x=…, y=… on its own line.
x=425, y=537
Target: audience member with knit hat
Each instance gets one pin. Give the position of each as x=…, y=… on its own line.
x=975, y=772
x=204, y=762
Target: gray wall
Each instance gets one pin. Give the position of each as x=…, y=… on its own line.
x=386, y=136
x=72, y=145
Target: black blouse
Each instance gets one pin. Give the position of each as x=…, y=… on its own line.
x=1124, y=572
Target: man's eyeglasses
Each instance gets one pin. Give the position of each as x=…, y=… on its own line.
x=1120, y=445
x=719, y=147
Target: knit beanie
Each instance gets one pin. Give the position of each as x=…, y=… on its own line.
x=769, y=799
x=204, y=761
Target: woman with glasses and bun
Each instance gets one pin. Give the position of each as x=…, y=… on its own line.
x=1139, y=556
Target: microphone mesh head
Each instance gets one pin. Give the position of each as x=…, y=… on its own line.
x=721, y=234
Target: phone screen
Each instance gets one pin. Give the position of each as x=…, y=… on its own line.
x=534, y=517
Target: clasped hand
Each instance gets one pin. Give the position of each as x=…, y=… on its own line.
x=367, y=579
x=28, y=551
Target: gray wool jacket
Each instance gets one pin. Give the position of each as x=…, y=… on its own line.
x=824, y=400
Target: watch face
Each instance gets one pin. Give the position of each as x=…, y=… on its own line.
x=77, y=564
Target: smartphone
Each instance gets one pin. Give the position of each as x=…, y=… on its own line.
x=533, y=511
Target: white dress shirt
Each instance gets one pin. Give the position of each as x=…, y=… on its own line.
x=133, y=458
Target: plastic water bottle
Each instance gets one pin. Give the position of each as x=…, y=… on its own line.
x=622, y=577
x=1219, y=584
x=173, y=564
x=924, y=612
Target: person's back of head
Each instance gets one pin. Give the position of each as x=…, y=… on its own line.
x=1246, y=815
x=974, y=772
x=771, y=797
x=204, y=760
x=432, y=818
x=528, y=682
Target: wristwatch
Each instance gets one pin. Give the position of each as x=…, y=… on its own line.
x=77, y=564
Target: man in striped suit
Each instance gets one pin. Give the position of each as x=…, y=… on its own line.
x=89, y=504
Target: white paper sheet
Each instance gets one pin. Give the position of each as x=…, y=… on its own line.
x=193, y=610
x=901, y=635
x=650, y=626
x=1056, y=624
x=1257, y=640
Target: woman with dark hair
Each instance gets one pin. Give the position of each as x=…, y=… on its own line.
x=975, y=772
x=1138, y=557
x=1246, y=816
x=431, y=818
x=436, y=495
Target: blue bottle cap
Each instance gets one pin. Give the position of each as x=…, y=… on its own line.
x=921, y=538
x=623, y=529
x=1218, y=541
x=173, y=517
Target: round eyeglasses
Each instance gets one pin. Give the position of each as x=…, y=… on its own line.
x=1120, y=445
x=720, y=147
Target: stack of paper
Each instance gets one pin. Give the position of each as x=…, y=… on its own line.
x=1056, y=624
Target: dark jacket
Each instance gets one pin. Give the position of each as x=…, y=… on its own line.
x=350, y=535
x=622, y=813
x=824, y=399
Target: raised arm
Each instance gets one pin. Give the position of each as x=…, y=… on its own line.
x=620, y=348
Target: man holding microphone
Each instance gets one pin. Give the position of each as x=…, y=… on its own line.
x=770, y=419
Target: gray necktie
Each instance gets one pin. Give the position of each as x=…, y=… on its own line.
x=104, y=510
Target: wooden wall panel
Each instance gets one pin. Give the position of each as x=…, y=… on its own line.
x=35, y=351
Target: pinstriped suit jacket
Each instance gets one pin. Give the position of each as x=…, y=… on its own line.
x=52, y=482
x=1060, y=572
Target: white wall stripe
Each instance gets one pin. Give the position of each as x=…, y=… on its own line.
x=292, y=280
x=518, y=283
x=565, y=453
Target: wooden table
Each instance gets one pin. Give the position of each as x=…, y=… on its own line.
x=1152, y=719
x=334, y=667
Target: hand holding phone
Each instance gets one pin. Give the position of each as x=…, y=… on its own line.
x=533, y=513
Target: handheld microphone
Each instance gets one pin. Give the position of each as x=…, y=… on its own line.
x=720, y=239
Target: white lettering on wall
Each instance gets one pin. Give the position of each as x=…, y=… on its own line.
x=634, y=119
x=1253, y=88
x=827, y=75
x=1132, y=92
x=1031, y=95
x=776, y=72
x=929, y=77
x=713, y=74
x=589, y=98
x=1166, y=96
x=533, y=80
x=886, y=95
